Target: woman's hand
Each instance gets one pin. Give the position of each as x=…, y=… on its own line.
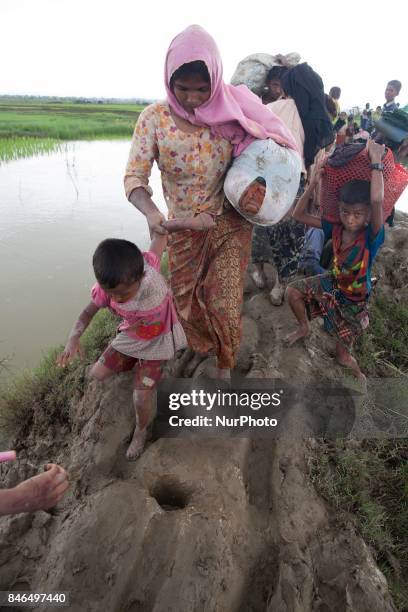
x=40, y=492
x=155, y=220
x=317, y=173
x=73, y=348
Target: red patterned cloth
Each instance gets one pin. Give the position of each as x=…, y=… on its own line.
x=358, y=168
x=147, y=371
x=207, y=278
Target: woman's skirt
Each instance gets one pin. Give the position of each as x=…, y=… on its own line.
x=207, y=272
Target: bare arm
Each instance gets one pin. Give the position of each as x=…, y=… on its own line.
x=158, y=244
x=143, y=202
x=300, y=213
x=38, y=493
x=143, y=152
x=73, y=346
x=375, y=152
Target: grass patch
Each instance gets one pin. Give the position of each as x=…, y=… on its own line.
x=43, y=396
x=16, y=148
x=385, y=344
x=29, y=128
x=369, y=486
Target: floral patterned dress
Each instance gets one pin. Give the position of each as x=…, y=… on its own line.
x=207, y=268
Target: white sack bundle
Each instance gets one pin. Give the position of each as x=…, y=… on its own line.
x=253, y=69
x=279, y=167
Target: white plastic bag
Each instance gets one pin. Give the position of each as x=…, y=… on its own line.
x=280, y=168
x=253, y=69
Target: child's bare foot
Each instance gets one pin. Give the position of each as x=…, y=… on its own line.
x=252, y=199
x=201, y=222
x=301, y=332
x=136, y=446
x=346, y=359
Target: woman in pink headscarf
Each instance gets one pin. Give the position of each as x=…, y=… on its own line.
x=193, y=136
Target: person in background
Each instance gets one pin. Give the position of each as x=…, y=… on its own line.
x=377, y=113
x=335, y=93
x=304, y=110
x=351, y=129
x=391, y=92
x=370, y=122
x=273, y=85
x=340, y=128
x=331, y=108
x=364, y=120
x=40, y=492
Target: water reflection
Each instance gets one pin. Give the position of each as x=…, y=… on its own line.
x=55, y=210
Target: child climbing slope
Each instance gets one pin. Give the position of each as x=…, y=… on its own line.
x=341, y=295
x=131, y=286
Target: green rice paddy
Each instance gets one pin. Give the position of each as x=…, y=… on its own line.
x=29, y=127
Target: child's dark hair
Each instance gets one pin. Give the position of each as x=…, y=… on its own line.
x=330, y=106
x=355, y=192
x=335, y=92
x=276, y=73
x=396, y=84
x=117, y=261
x=191, y=69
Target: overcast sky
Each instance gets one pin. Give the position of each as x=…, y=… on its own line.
x=116, y=48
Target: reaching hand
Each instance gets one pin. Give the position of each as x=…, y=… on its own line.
x=72, y=349
x=318, y=172
x=155, y=221
x=204, y=221
x=40, y=492
x=200, y=222
x=375, y=151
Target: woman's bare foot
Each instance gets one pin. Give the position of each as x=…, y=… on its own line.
x=137, y=443
x=258, y=276
x=301, y=332
x=252, y=199
x=201, y=222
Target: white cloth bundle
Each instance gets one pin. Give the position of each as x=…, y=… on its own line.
x=280, y=168
x=253, y=69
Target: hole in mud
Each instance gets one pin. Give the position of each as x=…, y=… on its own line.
x=170, y=494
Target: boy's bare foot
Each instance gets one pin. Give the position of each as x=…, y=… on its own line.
x=137, y=443
x=301, y=332
x=346, y=359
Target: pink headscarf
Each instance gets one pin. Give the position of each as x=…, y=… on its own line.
x=232, y=112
